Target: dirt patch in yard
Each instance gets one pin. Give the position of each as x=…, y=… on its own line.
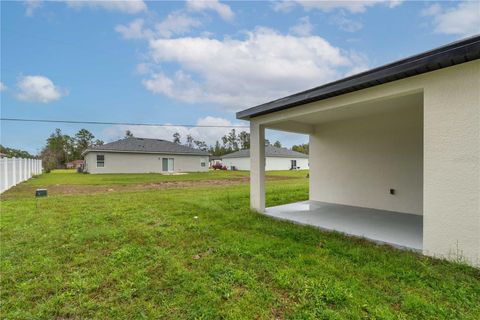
x=65, y=189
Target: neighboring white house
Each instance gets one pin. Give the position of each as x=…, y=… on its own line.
x=142, y=155
x=275, y=159
x=393, y=151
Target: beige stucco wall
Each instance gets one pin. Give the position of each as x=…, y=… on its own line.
x=357, y=161
x=451, y=151
x=452, y=163
x=272, y=163
x=142, y=163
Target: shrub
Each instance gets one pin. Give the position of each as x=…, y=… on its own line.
x=217, y=166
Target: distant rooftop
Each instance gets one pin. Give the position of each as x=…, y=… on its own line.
x=270, y=151
x=145, y=145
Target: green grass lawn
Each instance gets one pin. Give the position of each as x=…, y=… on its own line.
x=200, y=253
x=61, y=182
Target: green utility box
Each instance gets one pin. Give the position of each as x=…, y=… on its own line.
x=41, y=193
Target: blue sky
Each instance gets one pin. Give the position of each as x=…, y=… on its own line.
x=195, y=62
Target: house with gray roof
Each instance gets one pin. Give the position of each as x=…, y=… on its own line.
x=142, y=155
x=275, y=159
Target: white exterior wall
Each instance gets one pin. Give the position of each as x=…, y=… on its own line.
x=272, y=163
x=238, y=163
x=276, y=163
x=123, y=162
x=451, y=153
x=357, y=161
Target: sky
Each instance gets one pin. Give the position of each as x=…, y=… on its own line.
x=195, y=62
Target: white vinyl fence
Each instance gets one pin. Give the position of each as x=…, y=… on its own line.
x=16, y=170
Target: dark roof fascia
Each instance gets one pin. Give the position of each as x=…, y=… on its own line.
x=451, y=54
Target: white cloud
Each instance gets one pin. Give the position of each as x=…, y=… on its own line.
x=353, y=6
x=346, y=24
x=176, y=23
x=125, y=6
x=303, y=28
x=134, y=30
x=3, y=87
x=432, y=10
x=209, y=135
x=463, y=20
x=38, y=89
x=31, y=6
x=240, y=73
x=142, y=68
x=359, y=64
x=222, y=9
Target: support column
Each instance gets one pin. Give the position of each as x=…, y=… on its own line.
x=451, y=206
x=257, y=167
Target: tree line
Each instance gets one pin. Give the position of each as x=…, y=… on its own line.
x=17, y=153
x=61, y=148
x=230, y=142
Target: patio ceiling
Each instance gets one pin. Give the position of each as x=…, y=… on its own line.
x=304, y=123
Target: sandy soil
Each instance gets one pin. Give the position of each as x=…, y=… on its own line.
x=89, y=189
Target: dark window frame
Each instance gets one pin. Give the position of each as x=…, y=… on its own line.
x=100, y=162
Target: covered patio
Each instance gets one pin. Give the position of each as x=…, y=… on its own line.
x=393, y=153
x=366, y=169
x=398, y=229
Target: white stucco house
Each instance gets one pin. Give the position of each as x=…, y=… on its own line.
x=142, y=155
x=275, y=159
x=394, y=152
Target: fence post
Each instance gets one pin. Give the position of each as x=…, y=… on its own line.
x=1, y=180
x=14, y=171
x=5, y=173
x=24, y=171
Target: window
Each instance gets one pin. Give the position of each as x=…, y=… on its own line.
x=167, y=164
x=203, y=163
x=293, y=165
x=100, y=160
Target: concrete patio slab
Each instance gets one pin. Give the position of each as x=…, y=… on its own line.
x=398, y=229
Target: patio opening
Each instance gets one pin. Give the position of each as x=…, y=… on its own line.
x=366, y=170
